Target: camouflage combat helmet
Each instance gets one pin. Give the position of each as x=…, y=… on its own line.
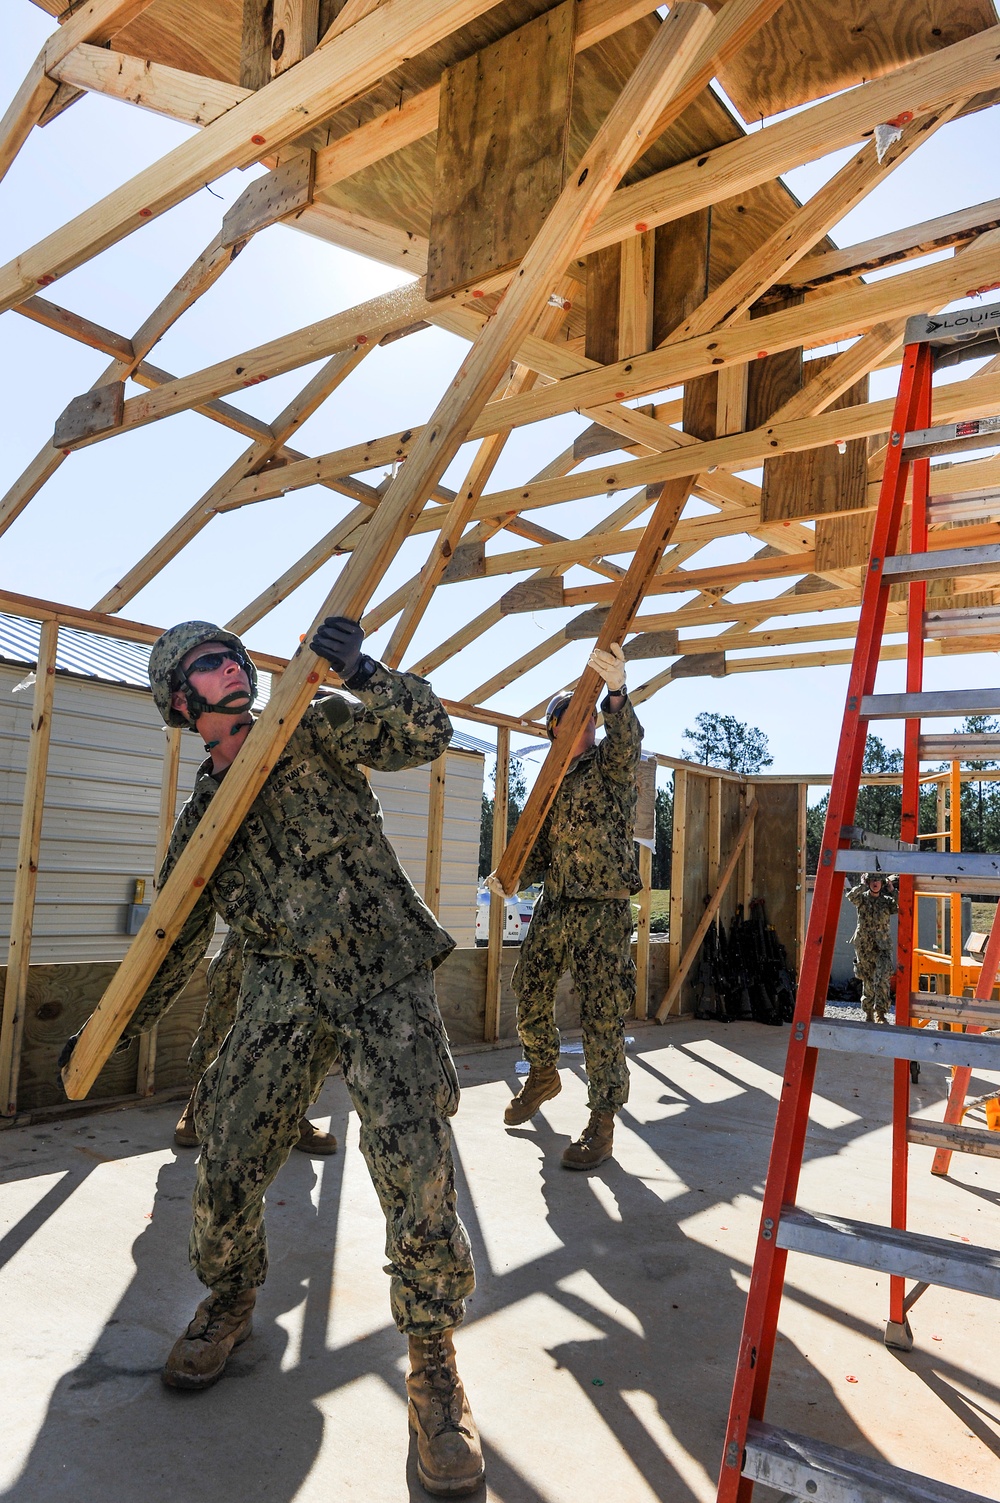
x=166, y=675
x=554, y=712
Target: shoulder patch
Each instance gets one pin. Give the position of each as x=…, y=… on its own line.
x=335, y=711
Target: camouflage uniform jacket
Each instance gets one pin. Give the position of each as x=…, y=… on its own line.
x=586, y=847
x=310, y=873
x=874, y=913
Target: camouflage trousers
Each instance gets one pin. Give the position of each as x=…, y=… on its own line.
x=223, y=980
x=398, y=1069
x=593, y=941
x=873, y=967
x=875, y=975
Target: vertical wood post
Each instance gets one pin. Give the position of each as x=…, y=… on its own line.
x=677, y=860
x=642, y=939
x=800, y=876
x=498, y=908
x=635, y=295
x=746, y=886
x=26, y=876
x=435, y=835
x=255, y=44
x=294, y=33
x=955, y=900
x=145, y=1075
x=942, y=816
x=714, y=831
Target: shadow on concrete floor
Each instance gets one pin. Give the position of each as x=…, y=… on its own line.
x=600, y=1344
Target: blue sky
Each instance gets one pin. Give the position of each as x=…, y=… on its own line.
x=109, y=503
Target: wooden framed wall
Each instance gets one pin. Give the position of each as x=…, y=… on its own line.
x=709, y=809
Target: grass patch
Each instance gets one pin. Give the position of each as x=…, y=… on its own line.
x=982, y=917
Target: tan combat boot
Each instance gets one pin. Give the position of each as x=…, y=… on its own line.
x=184, y=1133
x=198, y=1358
x=594, y=1145
x=449, y=1455
x=312, y=1140
x=541, y=1085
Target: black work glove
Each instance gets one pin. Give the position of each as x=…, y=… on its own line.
x=66, y=1052
x=339, y=640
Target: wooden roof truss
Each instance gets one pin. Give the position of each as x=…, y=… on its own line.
x=645, y=268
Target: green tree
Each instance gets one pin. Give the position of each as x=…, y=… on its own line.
x=724, y=741
x=664, y=833
x=980, y=801
x=517, y=792
x=879, y=806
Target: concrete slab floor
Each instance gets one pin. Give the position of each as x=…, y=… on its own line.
x=600, y=1344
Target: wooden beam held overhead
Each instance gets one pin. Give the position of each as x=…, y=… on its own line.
x=627, y=597
x=647, y=93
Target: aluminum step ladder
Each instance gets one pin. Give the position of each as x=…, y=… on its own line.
x=756, y=1451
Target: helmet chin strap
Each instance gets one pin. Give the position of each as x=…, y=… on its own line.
x=239, y=726
x=237, y=702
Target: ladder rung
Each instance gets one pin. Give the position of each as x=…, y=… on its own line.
x=972, y=621
x=958, y=748
x=943, y=563
x=865, y=840
x=886, y=1249
x=936, y=702
x=962, y=505
x=933, y=887
x=949, y=865
x=961, y=326
x=950, y=438
x=939, y=1008
x=890, y=1041
x=956, y=1139
x=814, y=1469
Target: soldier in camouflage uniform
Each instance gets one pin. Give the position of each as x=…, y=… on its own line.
x=585, y=854
x=876, y=901
x=223, y=980
x=338, y=953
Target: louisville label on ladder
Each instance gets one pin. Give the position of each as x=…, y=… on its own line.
x=807, y=1467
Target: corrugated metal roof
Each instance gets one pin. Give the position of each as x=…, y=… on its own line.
x=86, y=654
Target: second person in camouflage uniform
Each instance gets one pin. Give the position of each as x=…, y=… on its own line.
x=875, y=899
x=585, y=855
x=338, y=953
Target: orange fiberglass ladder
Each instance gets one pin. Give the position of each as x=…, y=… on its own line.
x=755, y=1451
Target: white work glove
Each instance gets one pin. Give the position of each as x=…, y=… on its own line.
x=493, y=884
x=610, y=665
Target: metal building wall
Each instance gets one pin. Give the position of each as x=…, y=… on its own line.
x=101, y=804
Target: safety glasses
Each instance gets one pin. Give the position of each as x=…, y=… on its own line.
x=209, y=661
